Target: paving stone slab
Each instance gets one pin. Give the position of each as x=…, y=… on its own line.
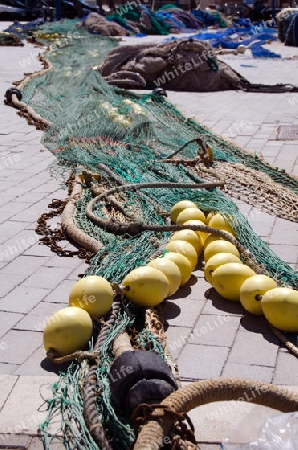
x=48, y=278
x=7, y=321
x=19, y=243
x=10, y=282
x=24, y=264
x=10, y=228
x=6, y=368
x=80, y=270
x=284, y=232
x=217, y=329
x=248, y=371
x=182, y=311
x=198, y=362
x=39, y=249
x=253, y=348
x=14, y=441
x=25, y=419
x=250, y=323
x=19, y=347
x=22, y=299
x=38, y=365
x=261, y=222
x=286, y=369
x=63, y=261
x=31, y=213
x=285, y=164
x=61, y=293
x=209, y=446
x=194, y=289
x=177, y=338
x=32, y=322
x=287, y=253
x=10, y=210
x=45, y=311
x=7, y=383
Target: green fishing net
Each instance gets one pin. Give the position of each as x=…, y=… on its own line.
x=96, y=126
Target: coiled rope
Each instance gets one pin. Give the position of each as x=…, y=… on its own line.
x=160, y=423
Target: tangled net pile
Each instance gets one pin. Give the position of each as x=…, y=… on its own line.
x=122, y=137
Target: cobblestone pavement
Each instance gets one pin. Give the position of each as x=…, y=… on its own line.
x=35, y=282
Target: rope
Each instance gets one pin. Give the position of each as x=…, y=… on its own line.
x=79, y=355
x=207, y=391
x=69, y=226
x=204, y=154
x=90, y=388
x=118, y=228
x=291, y=347
x=144, y=412
x=26, y=110
x=155, y=324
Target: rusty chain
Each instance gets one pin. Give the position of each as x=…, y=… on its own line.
x=52, y=236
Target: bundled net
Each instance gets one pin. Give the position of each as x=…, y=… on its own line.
x=122, y=137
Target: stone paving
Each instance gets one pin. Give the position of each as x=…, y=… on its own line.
x=35, y=282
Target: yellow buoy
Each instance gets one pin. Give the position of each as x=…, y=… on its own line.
x=280, y=306
x=203, y=234
x=253, y=290
x=228, y=279
x=220, y=223
x=189, y=236
x=220, y=247
x=190, y=214
x=67, y=331
x=185, y=249
x=92, y=293
x=218, y=260
x=147, y=286
x=180, y=206
x=170, y=270
x=183, y=265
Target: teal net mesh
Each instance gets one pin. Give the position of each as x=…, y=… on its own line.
x=94, y=124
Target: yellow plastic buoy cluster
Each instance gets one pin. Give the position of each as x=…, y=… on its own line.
x=235, y=281
x=70, y=329
x=223, y=267
x=162, y=277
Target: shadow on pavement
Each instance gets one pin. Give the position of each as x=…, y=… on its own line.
x=223, y=304
x=259, y=324
x=185, y=290
x=170, y=310
x=49, y=366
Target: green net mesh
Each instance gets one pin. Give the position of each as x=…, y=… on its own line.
x=94, y=124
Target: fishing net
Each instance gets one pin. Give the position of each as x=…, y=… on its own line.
x=121, y=137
